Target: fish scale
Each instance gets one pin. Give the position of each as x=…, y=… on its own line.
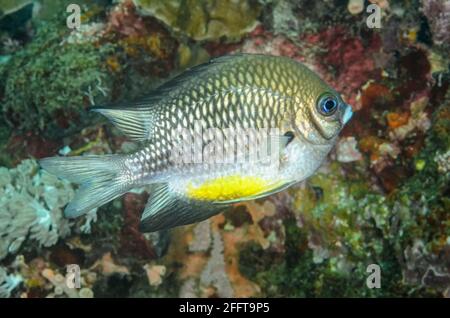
x=268, y=115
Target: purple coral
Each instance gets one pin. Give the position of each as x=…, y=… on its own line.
x=438, y=15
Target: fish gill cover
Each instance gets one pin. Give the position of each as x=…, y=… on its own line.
x=381, y=196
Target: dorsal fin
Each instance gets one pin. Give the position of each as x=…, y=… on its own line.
x=135, y=123
x=197, y=72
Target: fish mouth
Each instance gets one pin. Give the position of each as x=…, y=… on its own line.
x=348, y=113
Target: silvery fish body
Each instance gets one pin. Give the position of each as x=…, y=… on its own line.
x=237, y=128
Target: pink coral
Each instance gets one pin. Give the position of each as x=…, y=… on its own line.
x=259, y=41
x=124, y=20
x=264, y=42
x=133, y=242
x=351, y=61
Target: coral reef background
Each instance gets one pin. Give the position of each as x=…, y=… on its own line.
x=382, y=197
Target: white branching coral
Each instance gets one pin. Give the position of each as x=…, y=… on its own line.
x=202, y=237
x=214, y=273
x=31, y=203
x=8, y=282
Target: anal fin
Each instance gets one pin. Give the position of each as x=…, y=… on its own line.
x=166, y=209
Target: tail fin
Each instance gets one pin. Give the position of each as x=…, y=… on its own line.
x=100, y=177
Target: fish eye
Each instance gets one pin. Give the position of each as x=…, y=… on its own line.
x=327, y=105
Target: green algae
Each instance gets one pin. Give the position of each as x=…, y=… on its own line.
x=51, y=80
x=5, y=132
x=297, y=275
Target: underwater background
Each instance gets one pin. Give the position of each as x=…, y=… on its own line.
x=381, y=197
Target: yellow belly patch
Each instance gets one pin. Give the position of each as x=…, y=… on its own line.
x=228, y=188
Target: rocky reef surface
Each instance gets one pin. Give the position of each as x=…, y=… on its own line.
x=382, y=196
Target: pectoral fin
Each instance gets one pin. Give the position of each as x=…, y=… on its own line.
x=166, y=209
